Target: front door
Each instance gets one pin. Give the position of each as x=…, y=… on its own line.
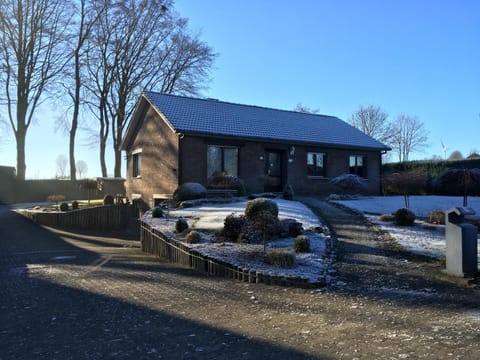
x=273, y=171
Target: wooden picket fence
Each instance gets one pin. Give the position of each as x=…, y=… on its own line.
x=98, y=218
x=155, y=242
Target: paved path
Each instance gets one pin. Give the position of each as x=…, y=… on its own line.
x=77, y=296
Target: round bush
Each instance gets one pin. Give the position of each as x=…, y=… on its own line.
x=193, y=237
x=301, y=244
x=64, y=206
x=404, y=217
x=181, y=225
x=233, y=226
x=75, y=205
x=189, y=191
x=258, y=205
x=108, y=200
x=278, y=258
x=157, y=212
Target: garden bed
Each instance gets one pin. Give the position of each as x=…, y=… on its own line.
x=239, y=260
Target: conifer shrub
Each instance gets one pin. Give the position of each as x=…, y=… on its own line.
x=157, y=212
x=108, y=200
x=181, y=225
x=64, y=206
x=283, y=259
x=301, y=244
x=75, y=205
x=233, y=226
x=193, y=237
x=258, y=205
x=436, y=217
x=404, y=217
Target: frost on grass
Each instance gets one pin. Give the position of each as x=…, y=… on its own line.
x=209, y=218
x=428, y=240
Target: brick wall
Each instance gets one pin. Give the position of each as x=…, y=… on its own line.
x=158, y=146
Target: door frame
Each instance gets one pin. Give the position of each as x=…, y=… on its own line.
x=283, y=170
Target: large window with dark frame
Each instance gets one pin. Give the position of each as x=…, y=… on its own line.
x=358, y=165
x=222, y=158
x=316, y=164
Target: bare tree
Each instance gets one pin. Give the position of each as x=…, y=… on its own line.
x=32, y=33
x=409, y=135
x=86, y=14
x=372, y=120
x=82, y=168
x=146, y=46
x=305, y=109
x=61, y=163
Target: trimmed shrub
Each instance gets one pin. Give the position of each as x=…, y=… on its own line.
x=193, y=237
x=288, y=193
x=279, y=258
x=181, y=225
x=436, y=217
x=75, y=205
x=64, y=206
x=189, y=191
x=301, y=244
x=289, y=228
x=258, y=205
x=233, y=226
x=404, y=217
x=108, y=200
x=266, y=224
x=157, y=212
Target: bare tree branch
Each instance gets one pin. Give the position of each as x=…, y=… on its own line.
x=32, y=35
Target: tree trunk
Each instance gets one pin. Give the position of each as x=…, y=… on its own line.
x=74, y=125
x=21, y=167
x=103, y=163
x=20, y=135
x=118, y=162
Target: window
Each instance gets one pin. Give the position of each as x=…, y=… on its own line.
x=222, y=158
x=136, y=159
x=315, y=164
x=358, y=165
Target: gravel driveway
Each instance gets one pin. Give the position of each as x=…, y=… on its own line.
x=79, y=296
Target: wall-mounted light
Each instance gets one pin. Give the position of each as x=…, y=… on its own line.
x=261, y=158
x=292, y=151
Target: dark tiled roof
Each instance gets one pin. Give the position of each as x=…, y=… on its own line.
x=213, y=117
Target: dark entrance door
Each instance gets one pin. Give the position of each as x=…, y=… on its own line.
x=273, y=171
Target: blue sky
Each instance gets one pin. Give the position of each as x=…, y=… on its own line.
x=420, y=58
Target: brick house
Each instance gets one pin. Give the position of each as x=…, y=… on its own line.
x=174, y=139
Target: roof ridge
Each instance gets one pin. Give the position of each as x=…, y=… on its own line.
x=213, y=100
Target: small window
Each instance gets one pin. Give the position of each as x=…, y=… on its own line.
x=358, y=165
x=136, y=159
x=316, y=164
x=220, y=158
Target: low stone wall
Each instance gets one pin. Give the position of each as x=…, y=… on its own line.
x=157, y=243
x=99, y=218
